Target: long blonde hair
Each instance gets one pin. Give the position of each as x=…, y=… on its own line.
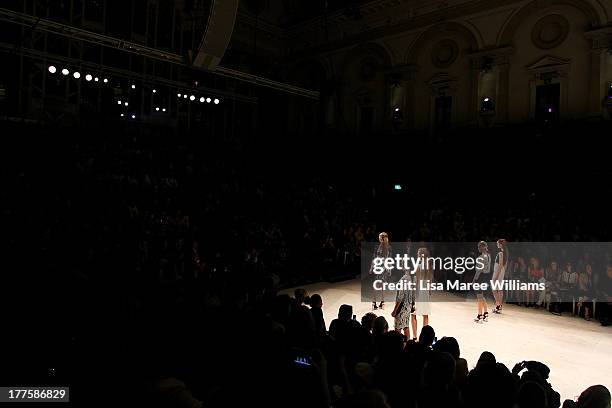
x=504, y=248
x=426, y=272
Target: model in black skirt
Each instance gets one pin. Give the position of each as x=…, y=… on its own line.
x=482, y=276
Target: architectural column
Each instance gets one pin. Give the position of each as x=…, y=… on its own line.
x=601, y=40
x=410, y=102
x=596, y=87
x=474, y=103
x=400, y=85
x=491, y=65
x=503, y=91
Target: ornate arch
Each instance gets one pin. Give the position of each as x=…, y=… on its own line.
x=509, y=30
x=367, y=49
x=434, y=31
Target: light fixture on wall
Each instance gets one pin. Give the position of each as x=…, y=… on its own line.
x=397, y=115
x=487, y=106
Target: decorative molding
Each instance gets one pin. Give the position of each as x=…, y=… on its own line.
x=485, y=59
x=444, y=53
x=442, y=84
x=550, y=31
x=363, y=96
x=445, y=28
x=549, y=64
x=402, y=72
x=600, y=38
x=412, y=22
x=550, y=70
x=506, y=35
x=369, y=67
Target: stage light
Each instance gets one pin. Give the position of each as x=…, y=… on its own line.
x=76, y=75
x=202, y=99
x=208, y=100
x=397, y=109
x=163, y=109
x=133, y=86
x=157, y=109
x=185, y=96
x=179, y=95
x=549, y=110
x=96, y=79
x=126, y=104
x=118, y=102
x=397, y=187
x=216, y=101
x=122, y=115
x=486, y=99
x=133, y=116
x=105, y=80
x=88, y=77
x=191, y=98
x=52, y=69
x=65, y=71
x=155, y=91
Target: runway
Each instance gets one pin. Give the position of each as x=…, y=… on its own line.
x=578, y=353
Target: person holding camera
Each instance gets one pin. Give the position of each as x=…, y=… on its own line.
x=537, y=372
x=596, y=396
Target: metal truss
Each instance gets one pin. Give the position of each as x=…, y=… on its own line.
x=74, y=33
x=123, y=73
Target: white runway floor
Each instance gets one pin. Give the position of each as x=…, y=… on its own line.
x=579, y=353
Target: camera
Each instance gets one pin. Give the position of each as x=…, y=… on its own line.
x=538, y=367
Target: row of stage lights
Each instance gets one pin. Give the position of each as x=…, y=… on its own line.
x=76, y=74
x=88, y=77
x=192, y=98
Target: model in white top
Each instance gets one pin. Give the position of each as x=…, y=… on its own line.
x=421, y=304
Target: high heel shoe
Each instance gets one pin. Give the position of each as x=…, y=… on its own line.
x=485, y=316
x=381, y=305
x=478, y=318
x=374, y=307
